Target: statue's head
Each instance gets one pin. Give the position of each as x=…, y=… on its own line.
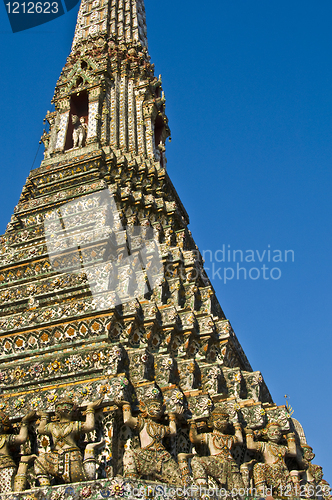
x=151, y=403
x=4, y=423
x=273, y=432
x=155, y=408
x=74, y=119
x=152, y=408
x=307, y=452
x=219, y=419
x=317, y=473
x=64, y=407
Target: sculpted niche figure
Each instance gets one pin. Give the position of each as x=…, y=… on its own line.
x=273, y=472
x=65, y=461
x=9, y=481
x=152, y=459
x=220, y=465
x=79, y=131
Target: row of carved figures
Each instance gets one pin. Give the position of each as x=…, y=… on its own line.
x=151, y=460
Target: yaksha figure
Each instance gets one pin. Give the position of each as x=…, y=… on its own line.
x=273, y=472
x=8, y=481
x=65, y=461
x=79, y=131
x=152, y=459
x=312, y=475
x=220, y=465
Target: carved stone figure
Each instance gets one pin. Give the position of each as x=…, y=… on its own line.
x=311, y=474
x=220, y=465
x=152, y=459
x=79, y=131
x=7, y=465
x=273, y=472
x=45, y=139
x=65, y=461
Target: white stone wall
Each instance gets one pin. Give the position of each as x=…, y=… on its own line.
x=62, y=133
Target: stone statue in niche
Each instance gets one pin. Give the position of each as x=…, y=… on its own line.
x=45, y=139
x=48, y=138
x=65, y=461
x=79, y=131
x=152, y=459
x=273, y=472
x=220, y=465
x=9, y=480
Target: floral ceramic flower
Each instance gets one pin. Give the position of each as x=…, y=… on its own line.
x=35, y=403
x=48, y=314
x=115, y=353
x=57, y=495
x=36, y=370
x=167, y=363
x=85, y=391
x=55, y=365
x=178, y=396
x=44, y=337
x=86, y=492
x=19, y=343
x=70, y=332
x=104, y=388
x=75, y=361
x=51, y=398
x=95, y=357
x=117, y=488
x=18, y=403
x=7, y=345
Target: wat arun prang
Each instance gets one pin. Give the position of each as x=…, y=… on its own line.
x=119, y=370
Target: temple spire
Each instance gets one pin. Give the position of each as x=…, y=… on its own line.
x=104, y=296
x=107, y=95
x=120, y=20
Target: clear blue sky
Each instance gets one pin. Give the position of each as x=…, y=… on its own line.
x=248, y=89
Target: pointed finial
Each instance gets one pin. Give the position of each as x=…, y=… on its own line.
x=288, y=406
